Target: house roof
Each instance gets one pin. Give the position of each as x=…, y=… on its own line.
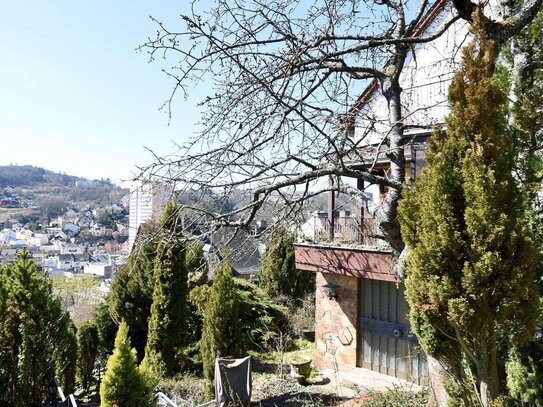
x=66, y=257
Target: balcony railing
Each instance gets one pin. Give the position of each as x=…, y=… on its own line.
x=347, y=229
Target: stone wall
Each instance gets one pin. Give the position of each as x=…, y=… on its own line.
x=336, y=322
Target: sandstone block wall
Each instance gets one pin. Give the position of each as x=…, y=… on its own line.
x=336, y=322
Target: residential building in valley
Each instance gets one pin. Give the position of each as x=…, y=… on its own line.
x=147, y=202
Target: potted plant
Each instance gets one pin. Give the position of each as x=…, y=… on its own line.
x=300, y=369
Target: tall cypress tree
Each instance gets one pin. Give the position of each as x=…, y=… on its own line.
x=278, y=275
x=132, y=291
x=87, y=341
x=221, y=333
x=470, y=268
x=67, y=353
x=168, y=325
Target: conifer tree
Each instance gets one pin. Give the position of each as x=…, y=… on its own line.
x=36, y=336
x=523, y=367
x=278, y=275
x=470, y=269
x=9, y=341
x=132, y=291
x=87, y=341
x=66, y=345
x=196, y=264
x=168, y=327
x=123, y=384
x=107, y=330
x=221, y=334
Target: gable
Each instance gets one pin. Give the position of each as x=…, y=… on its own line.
x=425, y=80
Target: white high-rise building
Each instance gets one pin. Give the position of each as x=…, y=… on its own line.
x=147, y=202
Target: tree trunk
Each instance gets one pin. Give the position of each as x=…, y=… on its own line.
x=387, y=216
x=487, y=370
x=518, y=76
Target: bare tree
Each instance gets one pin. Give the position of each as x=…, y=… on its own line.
x=287, y=79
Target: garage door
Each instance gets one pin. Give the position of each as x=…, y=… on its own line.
x=385, y=343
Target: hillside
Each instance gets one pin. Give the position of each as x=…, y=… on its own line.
x=33, y=192
x=27, y=175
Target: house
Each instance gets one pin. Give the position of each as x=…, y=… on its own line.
x=7, y=235
x=243, y=250
x=101, y=270
x=70, y=229
x=24, y=234
x=65, y=262
x=39, y=239
x=18, y=243
x=71, y=214
x=361, y=310
x=50, y=250
x=86, y=219
x=72, y=248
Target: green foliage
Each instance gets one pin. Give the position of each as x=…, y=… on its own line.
x=184, y=386
x=196, y=264
x=132, y=291
x=527, y=110
x=87, y=343
x=66, y=363
x=525, y=373
x=259, y=316
x=221, y=332
x=106, y=329
x=78, y=295
x=168, y=325
x=278, y=275
x=395, y=397
x=105, y=218
x=124, y=384
x=470, y=269
x=37, y=338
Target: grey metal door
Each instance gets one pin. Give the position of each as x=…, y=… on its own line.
x=385, y=343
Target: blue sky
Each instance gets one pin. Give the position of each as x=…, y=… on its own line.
x=75, y=96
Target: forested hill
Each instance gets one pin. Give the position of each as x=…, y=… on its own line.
x=27, y=175
x=36, y=192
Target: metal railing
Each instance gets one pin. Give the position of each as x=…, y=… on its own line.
x=163, y=400
x=347, y=230
x=66, y=401
x=427, y=103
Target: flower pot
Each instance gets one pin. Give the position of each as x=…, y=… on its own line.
x=300, y=369
x=308, y=335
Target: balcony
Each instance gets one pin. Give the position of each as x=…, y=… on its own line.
x=346, y=245
x=347, y=261
x=344, y=229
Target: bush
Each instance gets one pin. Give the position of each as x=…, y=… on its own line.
x=259, y=316
x=124, y=384
x=278, y=275
x=184, y=386
x=396, y=397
